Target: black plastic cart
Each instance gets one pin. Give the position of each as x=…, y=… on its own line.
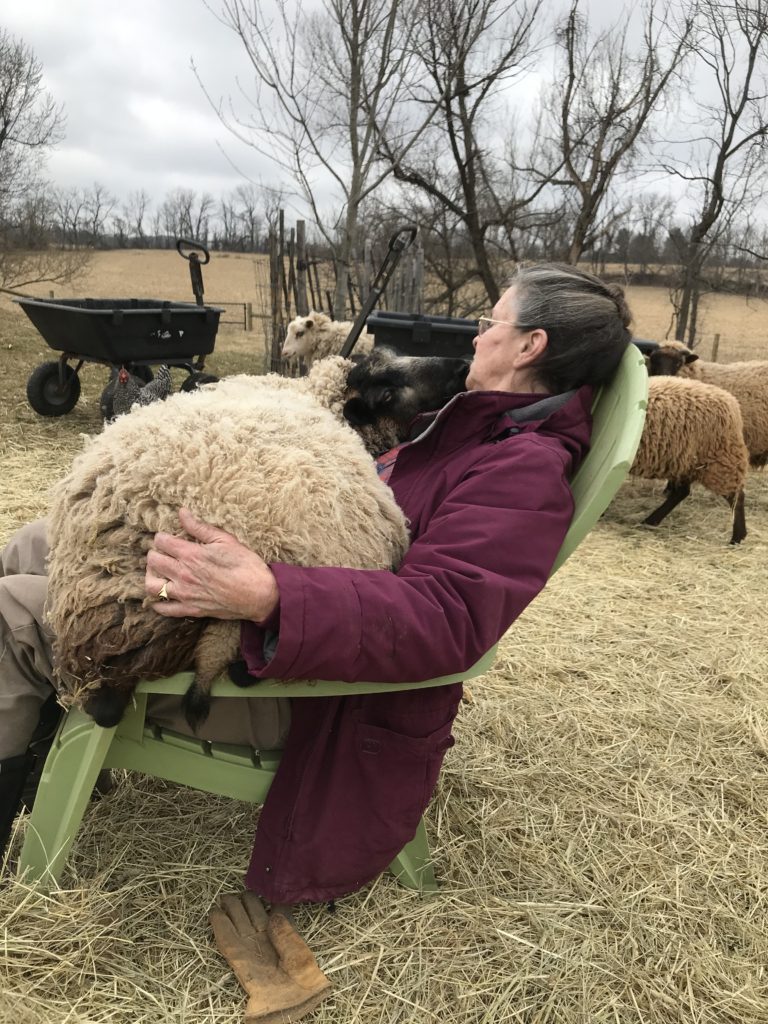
x=129, y=333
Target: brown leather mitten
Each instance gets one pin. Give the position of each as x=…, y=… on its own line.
x=270, y=959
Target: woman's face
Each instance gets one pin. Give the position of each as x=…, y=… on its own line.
x=504, y=354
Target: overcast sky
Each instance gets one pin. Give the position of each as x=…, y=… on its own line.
x=136, y=116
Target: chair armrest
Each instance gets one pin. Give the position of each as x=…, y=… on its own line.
x=322, y=688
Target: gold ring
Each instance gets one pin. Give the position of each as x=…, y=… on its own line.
x=163, y=592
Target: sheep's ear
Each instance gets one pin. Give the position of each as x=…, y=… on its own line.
x=691, y=357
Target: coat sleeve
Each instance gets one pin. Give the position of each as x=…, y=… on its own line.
x=485, y=554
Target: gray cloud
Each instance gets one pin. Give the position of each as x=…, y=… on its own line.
x=136, y=116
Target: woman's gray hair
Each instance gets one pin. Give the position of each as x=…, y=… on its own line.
x=586, y=320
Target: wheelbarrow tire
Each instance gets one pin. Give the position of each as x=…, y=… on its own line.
x=46, y=396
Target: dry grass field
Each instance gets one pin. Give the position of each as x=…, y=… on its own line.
x=600, y=830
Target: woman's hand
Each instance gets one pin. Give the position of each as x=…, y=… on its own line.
x=213, y=575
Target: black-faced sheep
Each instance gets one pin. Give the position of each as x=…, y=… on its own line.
x=747, y=381
x=692, y=431
x=693, y=434
x=316, y=336
x=271, y=460
x=388, y=385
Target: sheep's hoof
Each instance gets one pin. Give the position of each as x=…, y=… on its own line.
x=196, y=705
x=106, y=706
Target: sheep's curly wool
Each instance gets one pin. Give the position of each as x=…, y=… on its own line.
x=266, y=458
x=692, y=434
x=316, y=336
x=747, y=381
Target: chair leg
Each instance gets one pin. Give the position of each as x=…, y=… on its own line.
x=67, y=782
x=412, y=867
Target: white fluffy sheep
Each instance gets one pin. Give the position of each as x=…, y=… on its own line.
x=747, y=381
x=693, y=433
x=316, y=336
x=262, y=457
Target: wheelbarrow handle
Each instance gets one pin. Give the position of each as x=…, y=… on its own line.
x=398, y=243
x=195, y=247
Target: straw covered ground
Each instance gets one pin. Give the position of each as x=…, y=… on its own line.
x=600, y=829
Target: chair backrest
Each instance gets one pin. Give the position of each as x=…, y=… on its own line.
x=618, y=417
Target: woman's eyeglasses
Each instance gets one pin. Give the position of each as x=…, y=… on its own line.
x=485, y=322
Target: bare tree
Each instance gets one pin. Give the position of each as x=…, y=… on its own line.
x=71, y=214
x=134, y=211
x=184, y=214
x=722, y=157
x=598, y=109
x=323, y=82
x=468, y=51
x=30, y=123
x=98, y=205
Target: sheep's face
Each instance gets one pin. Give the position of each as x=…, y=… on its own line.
x=667, y=361
x=385, y=385
x=300, y=332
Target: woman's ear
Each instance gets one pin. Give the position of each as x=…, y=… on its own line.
x=533, y=347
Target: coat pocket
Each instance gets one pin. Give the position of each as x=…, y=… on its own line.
x=397, y=775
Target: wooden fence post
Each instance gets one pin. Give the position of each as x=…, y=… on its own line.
x=715, y=346
x=418, y=277
x=302, y=308
x=276, y=313
x=249, y=316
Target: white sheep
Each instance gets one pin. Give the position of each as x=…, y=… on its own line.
x=316, y=336
x=747, y=381
x=271, y=460
x=264, y=458
x=693, y=433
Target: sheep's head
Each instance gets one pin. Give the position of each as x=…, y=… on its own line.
x=667, y=360
x=298, y=337
x=385, y=386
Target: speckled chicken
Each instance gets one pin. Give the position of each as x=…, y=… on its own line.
x=129, y=390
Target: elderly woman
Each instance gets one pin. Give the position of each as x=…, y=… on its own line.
x=488, y=502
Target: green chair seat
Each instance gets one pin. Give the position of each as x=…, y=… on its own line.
x=82, y=748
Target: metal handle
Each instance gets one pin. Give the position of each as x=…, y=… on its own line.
x=195, y=247
x=398, y=243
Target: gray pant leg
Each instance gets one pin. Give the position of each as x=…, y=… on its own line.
x=25, y=664
x=25, y=660
x=26, y=552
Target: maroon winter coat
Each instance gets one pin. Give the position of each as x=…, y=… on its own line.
x=487, y=516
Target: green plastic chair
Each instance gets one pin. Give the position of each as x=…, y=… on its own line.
x=82, y=748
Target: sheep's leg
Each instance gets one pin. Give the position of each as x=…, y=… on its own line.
x=216, y=648
x=676, y=492
x=739, y=532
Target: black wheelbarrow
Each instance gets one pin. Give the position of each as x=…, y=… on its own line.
x=131, y=334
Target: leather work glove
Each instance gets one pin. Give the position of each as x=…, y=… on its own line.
x=270, y=959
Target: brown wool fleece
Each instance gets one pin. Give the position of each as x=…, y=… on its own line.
x=748, y=382
x=693, y=433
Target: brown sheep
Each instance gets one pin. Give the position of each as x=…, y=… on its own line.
x=747, y=381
